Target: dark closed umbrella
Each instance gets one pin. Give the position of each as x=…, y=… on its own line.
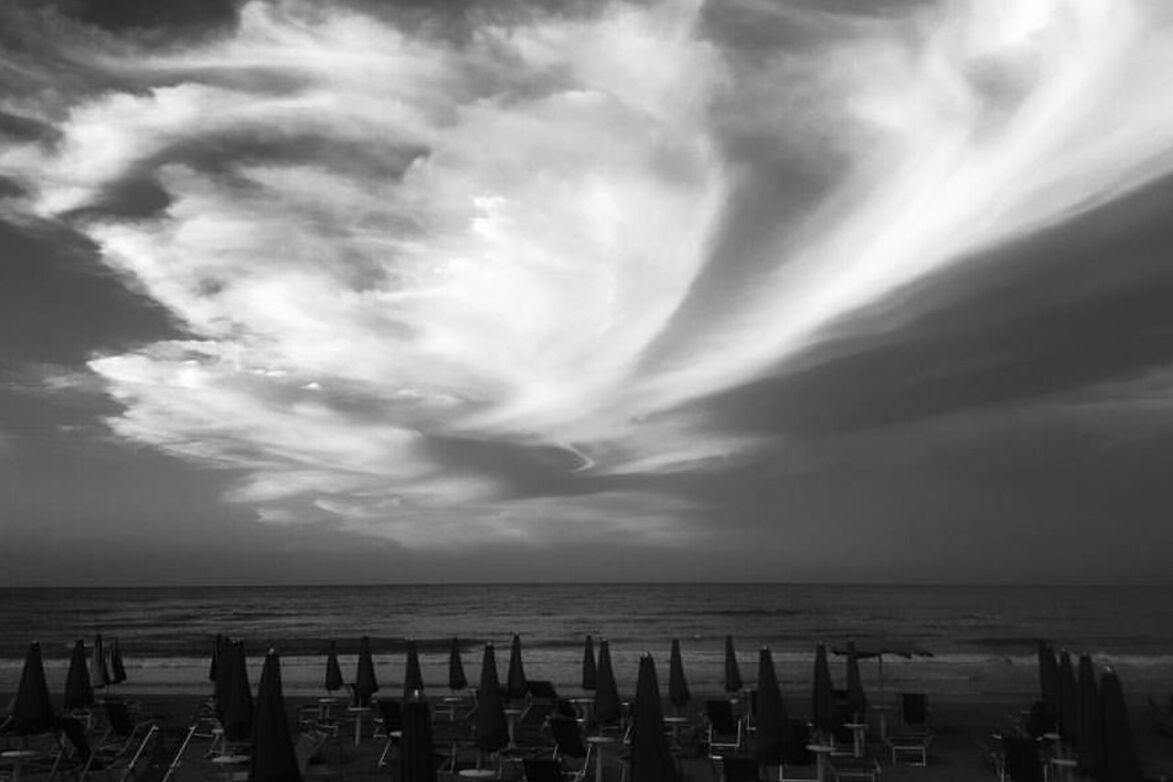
x=1068, y=701
x=413, y=679
x=272, y=758
x=492, y=730
x=214, y=665
x=678, y=692
x=456, y=677
x=608, y=708
x=78, y=692
x=1091, y=728
x=365, y=684
x=515, y=685
x=334, y=681
x=416, y=758
x=590, y=672
x=823, y=693
x=32, y=711
x=117, y=667
x=856, y=698
x=100, y=675
x=650, y=758
x=1049, y=678
x=1120, y=760
x=773, y=724
x=237, y=712
x=733, y=681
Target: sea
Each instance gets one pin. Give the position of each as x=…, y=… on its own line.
x=982, y=639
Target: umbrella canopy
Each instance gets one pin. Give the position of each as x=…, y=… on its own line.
x=1049, y=678
x=1091, y=728
x=416, y=758
x=677, y=685
x=855, y=695
x=772, y=721
x=32, y=711
x=492, y=730
x=214, y=665
x=590, y=672
x=732, y=672
x=236, y=713
x=334, y=681
x=456, y=677
x=516, y=686
x=117, y=667
x=100, y=675
x=272, y=758
x=413, y=679
x=1068, y=701
x=365, y=684
x=608, y=708
x=1120, y=760
x=650, y=758
x=78, y=692
x=822, y=693
x=881, y=648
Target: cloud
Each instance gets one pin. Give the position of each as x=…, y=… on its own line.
x=479, y=287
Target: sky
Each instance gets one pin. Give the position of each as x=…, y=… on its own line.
x=780, y=290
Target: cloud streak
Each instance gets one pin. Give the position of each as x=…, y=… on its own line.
x=549, y=237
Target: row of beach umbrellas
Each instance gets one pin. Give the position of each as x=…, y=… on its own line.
x=32, y=709
x=1090, y=716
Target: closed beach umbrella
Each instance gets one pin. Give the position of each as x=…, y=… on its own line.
x=237, y=712
x=1068, y=701
x=413, y=680
x=823, y=693
x=491, y=727
x=334, y=681
x=1091, y=728
x=678, y=692
x=515, y=685
x=608, y=708
x=1049, y=678
x=589, y=670
x=32, y=711
x=733, y=681
x=117, y=666
x=214, y=665
x=100, y=675
x=416, y=759
x=1120, y=760
x=772, y=721
x=272, y=758
x=365, y=684
x=78, y=692
x=855, y=695
x=650, y=758
x=456, y=677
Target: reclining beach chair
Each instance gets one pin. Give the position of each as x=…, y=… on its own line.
x=723, y=730
x=542, y=770
x=1021, y=758
x=912, y=741
x=388, y=726
x=568, y=743
x=737, y=768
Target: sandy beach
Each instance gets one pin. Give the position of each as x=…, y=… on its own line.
x=962, y=729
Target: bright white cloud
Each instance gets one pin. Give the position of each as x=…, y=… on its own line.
x=377, y=239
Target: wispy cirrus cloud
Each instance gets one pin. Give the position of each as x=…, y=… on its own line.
x=551, y=236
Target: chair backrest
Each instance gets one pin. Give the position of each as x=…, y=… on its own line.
x=542, y=689
x=119, y=717
x=567, y=737
x=542, y=770
x=1022, y=759
x=75, y=733
x=914, y=709
x=308, y=744
x=392, y=713
x=720, y=716
x=738, y=768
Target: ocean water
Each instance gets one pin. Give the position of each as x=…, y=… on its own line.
x=982, y=638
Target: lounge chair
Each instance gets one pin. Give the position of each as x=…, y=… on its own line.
x=723, y=733
x=737, y=768
x=542, y=770
x=569, y=744
x=911, y=742
x=855, y=768
x=389, y=726
x=1021, y=758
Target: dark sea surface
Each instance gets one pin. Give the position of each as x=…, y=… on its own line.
x=982, y=638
